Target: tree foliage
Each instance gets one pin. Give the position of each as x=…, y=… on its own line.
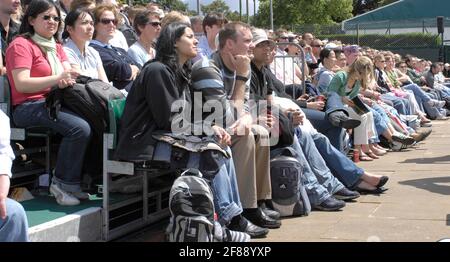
x=177, y=5
x=295, y=12
x=216, y=6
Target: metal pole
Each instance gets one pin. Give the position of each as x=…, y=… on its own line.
x=254, y=11
x=248, y=13
x=271, y=15
x=198, y=7
x=357, y=34
x=240, y=10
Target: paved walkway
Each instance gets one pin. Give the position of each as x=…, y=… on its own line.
x=415, y=208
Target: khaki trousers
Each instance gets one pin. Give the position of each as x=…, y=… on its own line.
x=251, y=156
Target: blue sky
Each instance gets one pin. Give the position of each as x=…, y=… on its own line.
x=233, y=4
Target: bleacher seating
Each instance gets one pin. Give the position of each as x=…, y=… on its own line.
x=133, y=211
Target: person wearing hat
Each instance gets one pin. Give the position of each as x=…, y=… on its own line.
x=225, y=79
x=352, y=53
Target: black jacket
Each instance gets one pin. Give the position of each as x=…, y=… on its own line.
x=148, y=110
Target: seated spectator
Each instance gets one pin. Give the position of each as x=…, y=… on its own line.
x=36, y=62
x=212, y=24
x=162, y=82
x=123, y=26
x=197, y=26
x=225, y=79
x=120, y=68
x=83, y=4
x=13, y=220
x=147, y=26
x=78, y=32
x=173, y=17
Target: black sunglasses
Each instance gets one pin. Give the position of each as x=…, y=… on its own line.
x=154, y=24
x=106, y=21
x=55, y=18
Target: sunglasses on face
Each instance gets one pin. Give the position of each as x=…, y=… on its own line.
x=55, y=18
x=317, y=45
x=154, y=24
x=107, y=21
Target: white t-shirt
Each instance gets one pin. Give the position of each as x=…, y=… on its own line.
x=6, y=152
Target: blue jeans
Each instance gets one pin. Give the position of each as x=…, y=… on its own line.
x=380, y=118
x=76, y=134
x=401, y=104
x=320, y=121
x=320, y=184
x=15, y=227
x=334, y=103
x=226, y=192
x=340, y=165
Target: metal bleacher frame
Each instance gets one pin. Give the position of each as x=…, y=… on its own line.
x=137, y=206
x=21, y=134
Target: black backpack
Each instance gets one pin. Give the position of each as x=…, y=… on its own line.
x=88, y=98
x=289, y=196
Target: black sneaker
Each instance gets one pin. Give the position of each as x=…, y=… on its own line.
x=330, y=204
x=346, y=194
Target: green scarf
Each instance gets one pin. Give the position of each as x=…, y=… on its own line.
x=49, y=47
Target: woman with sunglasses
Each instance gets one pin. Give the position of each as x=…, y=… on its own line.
x=147, y=26
x=120, y=68
x=36, y=62
x=79, y=30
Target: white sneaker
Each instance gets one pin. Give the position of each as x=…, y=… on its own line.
x=398, y=146
x=62, y=197
x=80, y=195
x=441, y=117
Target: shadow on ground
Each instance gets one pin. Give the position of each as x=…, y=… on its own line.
x=430, y=184
x=432, y=160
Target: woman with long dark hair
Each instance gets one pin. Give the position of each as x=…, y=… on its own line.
x=36, y=61
x=164, y=82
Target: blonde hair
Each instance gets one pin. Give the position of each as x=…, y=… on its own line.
x=364, y=67
x=175, y=17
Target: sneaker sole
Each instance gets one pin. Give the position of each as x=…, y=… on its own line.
x=406, y=141
x=344, y=198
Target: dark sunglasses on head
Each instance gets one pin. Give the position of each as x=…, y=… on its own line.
x=55, y=18
x=154, y=24
x=106, y=21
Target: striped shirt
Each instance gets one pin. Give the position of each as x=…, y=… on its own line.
x=216, y=82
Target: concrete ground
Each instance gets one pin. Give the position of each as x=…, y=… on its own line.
x=415, y=208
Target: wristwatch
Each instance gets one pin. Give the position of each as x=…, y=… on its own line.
x=242, y=78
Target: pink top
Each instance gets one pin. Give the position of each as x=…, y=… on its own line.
x=24, y=53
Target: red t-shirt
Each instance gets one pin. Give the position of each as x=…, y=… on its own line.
x=24, y=53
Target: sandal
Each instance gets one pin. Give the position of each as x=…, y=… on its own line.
x=364, y=157
x=371, y=155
